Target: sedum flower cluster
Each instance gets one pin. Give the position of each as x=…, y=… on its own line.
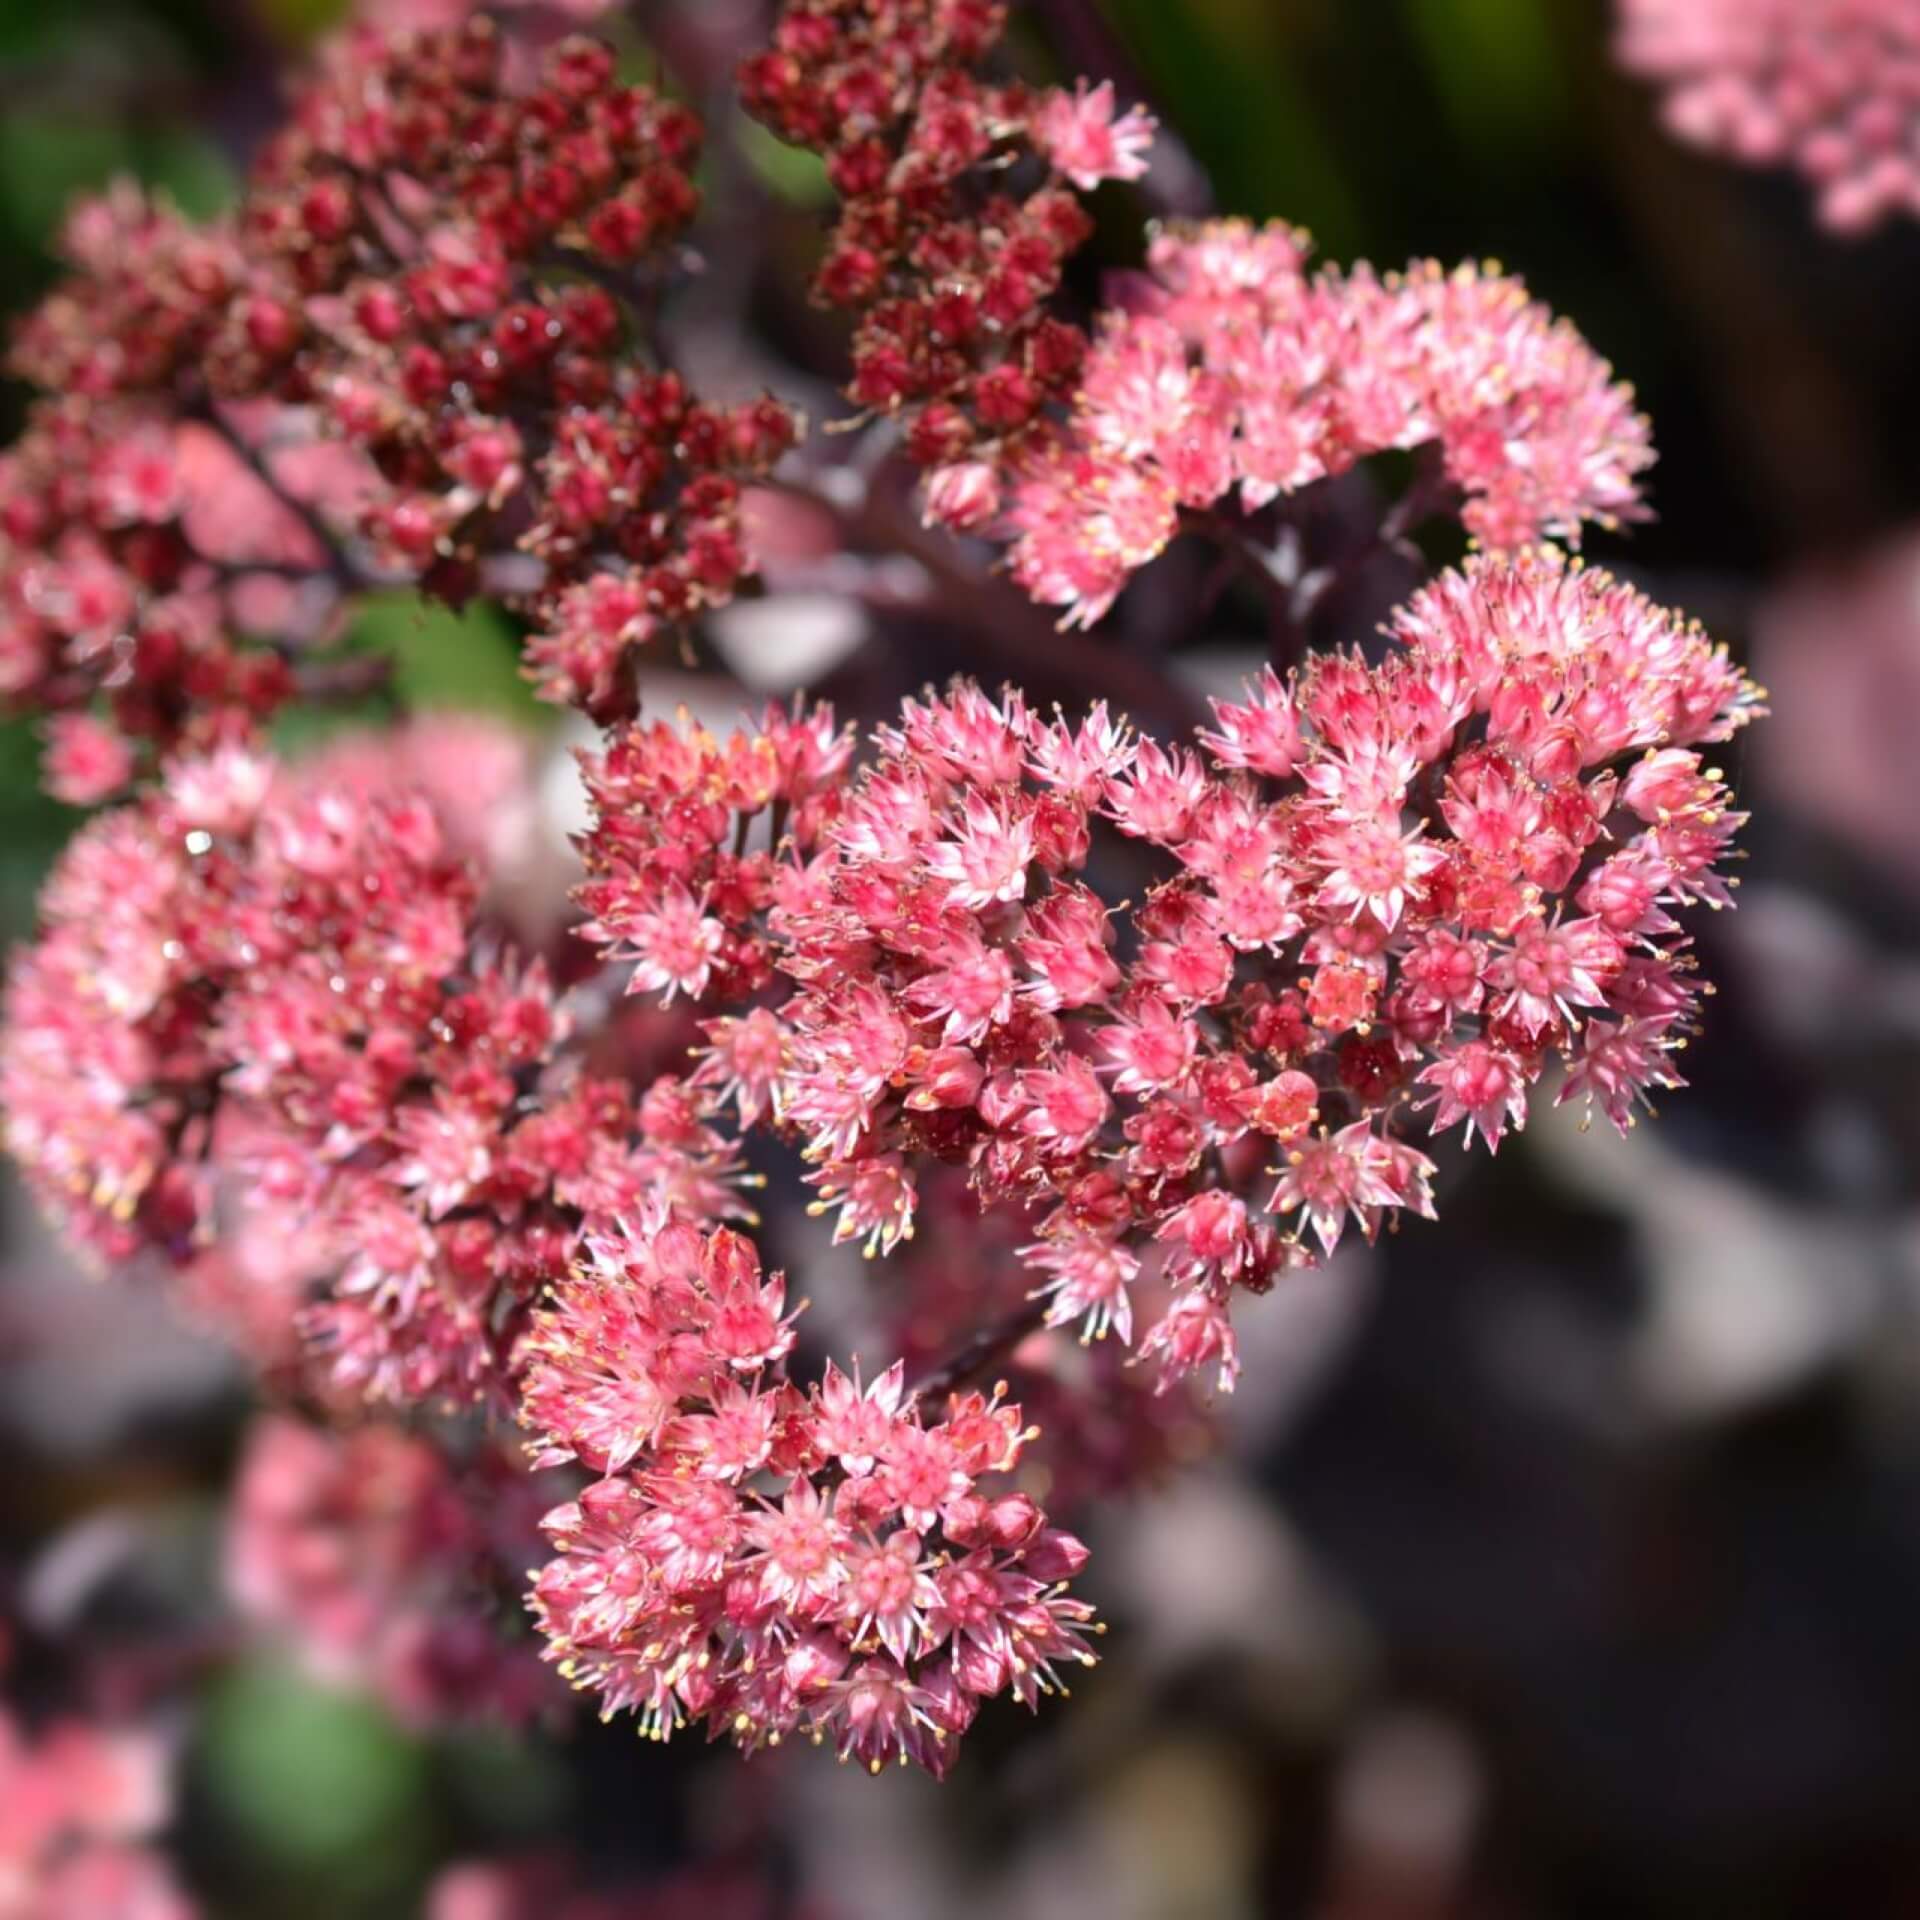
x=1235, y=376
x=1147, y=1021
x=287, y=976
x=1369, y=904
x=891, y=1586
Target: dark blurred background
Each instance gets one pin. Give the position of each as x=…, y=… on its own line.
x=1562, y=1559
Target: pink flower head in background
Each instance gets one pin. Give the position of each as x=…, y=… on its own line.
x=80, y=1803
x=381, y=1560
x=1830, y=87
x=289, y=975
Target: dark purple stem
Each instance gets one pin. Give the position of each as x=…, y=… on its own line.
x=993, y=1342
x=340, y=565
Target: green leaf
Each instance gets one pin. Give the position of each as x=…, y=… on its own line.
x=1494, y=67
x=297, y=21
x=308, y=1779
x=795, y=175
x=447, y=659
x=184, y=163
x=36, y=826
x=47, y=157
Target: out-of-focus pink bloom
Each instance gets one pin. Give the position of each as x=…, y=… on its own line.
x=381, y=1562
x=75, y=1805
x=1863, y=693
x=86, y=761
x=1827, y=86
x=292, y=981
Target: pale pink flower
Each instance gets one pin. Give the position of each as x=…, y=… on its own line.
x=988, y=857
x=86, y=761
x=1483, y=1085
x=1079, y=134
x=1089, y=1284
x=673, y=947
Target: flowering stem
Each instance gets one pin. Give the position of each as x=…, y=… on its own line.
x=1431, y=491
x=1273, y=570
x=1008, y=630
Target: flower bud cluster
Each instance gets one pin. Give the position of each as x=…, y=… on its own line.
x=950, y=266
x=451, y=273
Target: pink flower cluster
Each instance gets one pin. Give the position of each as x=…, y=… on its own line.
x=951, y=269
x=385, y=1563
x=79, y=1803
x=1374, y=894
x=289, y=974
x=1235, y=374
x=773, y=1560
x=1831, y=87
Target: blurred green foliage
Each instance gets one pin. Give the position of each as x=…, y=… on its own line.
x=318, y=1795
x=1227, y=76
x=441, y=658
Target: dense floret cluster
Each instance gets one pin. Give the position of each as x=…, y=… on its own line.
x=1236, y=376
x=872, y=1596
x=290, y=974
x=1373, y=894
